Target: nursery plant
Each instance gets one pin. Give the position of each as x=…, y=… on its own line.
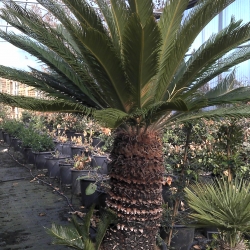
x=224, y=205
x=79, y=231
x=129, y=71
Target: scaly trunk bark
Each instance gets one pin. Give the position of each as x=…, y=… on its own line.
x=136, y=190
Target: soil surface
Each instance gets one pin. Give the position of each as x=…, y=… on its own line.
x=28, y=206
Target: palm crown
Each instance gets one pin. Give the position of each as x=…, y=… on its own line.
x=117, y=63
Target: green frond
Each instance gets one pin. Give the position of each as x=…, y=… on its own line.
x=222, y=204
x=56, y=54
x=87, y=222
x=111, y=118
x=233, y=96
x=107, y=67
x=226, y=85
x=84, y=14
x=197, y=19
x=238, y=111
x=141, y=51
x=67, y=236
x=120, y=14
x=144, y=9
x=169, y=25
x=208, y=54
x=111, y=21
x=223, y=65
x=43, y=105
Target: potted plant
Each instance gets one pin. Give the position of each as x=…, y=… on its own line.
x=52, y=163
x=94, y=189
x=42, y=145
x=223, y=205
x=78, y=145
x=65, y=171
x=81, y=167
x=100, y=159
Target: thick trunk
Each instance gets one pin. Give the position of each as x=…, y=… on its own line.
x=136, y=190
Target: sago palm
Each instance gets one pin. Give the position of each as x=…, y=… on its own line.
x=118, y=64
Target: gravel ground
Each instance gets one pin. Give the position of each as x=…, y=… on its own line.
x=27, y=206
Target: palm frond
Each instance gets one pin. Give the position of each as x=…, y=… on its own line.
x=43, y=105
x=208, y=54
x=111, y=118
x=111, y=21
x=223, y=65
x=144, y=9
x=140, y=64
x=233, y=96
x=107, y=64
x=223, y=204
x=120, y=14
x=169, y=24
x=197, y=19
x=67, y=236
x=238, y=111
x=85, y=14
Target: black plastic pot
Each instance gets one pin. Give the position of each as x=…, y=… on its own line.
x=69, y=133
x=52, y=163
x=76, y=150
x=75, y=173
x=28, y=155
x=58, y=146
x=15, y=143
x=183, y=237
x=98, y=197
x=96, y=142
x=40, y=160
x=6, y=138
x=65, y=173
x=1, y=134
x=66, y=149
x=100, y=161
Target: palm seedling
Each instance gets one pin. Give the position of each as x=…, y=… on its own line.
x=116, y=63
x=77, y=235
x=224, y=205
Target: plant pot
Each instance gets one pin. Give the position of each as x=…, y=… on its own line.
x=15, y=143
x=98, y=198
x=66, y=149
x=52, y=163
x=58, y=146
x=76, y=150
x=1, y=134
x=28, y=155
x=69, y=133
x=75, y=173
x=100, y=161
x=96, y=142
x=182, y=239
x=40, y=159
x=65, y=173
x=6, y=138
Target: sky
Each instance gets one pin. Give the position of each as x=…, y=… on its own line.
x=14, y=57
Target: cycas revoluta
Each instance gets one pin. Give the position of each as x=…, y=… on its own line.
x=119, y=65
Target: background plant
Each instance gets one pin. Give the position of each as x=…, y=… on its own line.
x=224, y=205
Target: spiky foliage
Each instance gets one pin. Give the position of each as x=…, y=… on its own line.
x=77, y=234
x=129, y=71
x=224, y=205
x=122, y=63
